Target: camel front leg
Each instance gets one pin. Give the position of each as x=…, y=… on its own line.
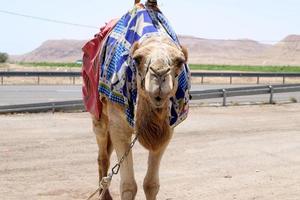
x=128, y=186
x=151, y=181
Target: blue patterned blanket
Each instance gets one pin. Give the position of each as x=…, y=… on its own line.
x=118, y=71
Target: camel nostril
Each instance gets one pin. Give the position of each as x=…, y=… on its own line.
x=157, y=98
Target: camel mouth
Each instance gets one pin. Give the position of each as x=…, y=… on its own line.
x=158, y=98
x=158, y=102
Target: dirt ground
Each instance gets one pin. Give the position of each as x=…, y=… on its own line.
x=243, y=153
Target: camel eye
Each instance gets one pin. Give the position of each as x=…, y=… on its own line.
x=179, y=61
x=138, y=60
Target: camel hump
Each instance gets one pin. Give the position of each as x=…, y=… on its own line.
x=149, y=2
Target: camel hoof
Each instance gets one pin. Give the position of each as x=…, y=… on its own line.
x=127, y=195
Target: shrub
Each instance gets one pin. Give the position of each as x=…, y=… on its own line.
x=293, y=100
x=3, y=57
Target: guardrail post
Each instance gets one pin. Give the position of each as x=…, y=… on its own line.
x=202, y=79
x=1, y=80
x=224, y=97
x=283, y=79
x=73, y=80
x=257, y=81
x=53, y=107
x=38, y=80
x=230, y=80
x=271, y=94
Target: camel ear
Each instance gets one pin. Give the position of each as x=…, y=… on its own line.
x=185, y=53
x=134, y=47
x=180, y=60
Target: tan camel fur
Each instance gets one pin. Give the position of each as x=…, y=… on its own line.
x=159, y=62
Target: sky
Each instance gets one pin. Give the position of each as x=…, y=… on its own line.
x=267, y=21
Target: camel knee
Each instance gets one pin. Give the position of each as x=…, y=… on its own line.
x=128, y=190
x=151, y=190
x=103, y=164
x=100, y=126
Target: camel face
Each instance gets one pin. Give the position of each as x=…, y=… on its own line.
x=159, y=61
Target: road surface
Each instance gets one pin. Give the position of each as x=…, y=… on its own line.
x=21, y=94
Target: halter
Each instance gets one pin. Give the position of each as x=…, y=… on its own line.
x=159, y=76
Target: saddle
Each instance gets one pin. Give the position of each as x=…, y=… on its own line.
x=108, y=69
x=90, y=70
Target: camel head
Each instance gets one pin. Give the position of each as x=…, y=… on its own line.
x=159, y=61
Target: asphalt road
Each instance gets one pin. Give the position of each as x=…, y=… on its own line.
x=22, y=94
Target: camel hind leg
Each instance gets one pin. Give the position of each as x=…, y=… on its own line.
x=105, y=148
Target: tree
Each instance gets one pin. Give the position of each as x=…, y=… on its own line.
x=3, y=57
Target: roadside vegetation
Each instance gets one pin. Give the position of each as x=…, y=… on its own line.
x=49, y=64
x=245, y=68
x=3, y=57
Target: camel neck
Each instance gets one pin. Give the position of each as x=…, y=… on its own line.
x=152, y=125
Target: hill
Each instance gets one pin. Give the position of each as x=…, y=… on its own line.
x=201, y=51
x=286, y=52
x=209, y=51
x=54, y=51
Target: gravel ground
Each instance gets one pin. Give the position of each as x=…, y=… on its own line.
x=242, y=152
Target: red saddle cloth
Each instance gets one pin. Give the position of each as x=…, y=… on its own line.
x=90, y=70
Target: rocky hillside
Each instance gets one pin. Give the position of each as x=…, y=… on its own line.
x=285, y=52
x=54, y=51
x=201, y=51
x=207, y=51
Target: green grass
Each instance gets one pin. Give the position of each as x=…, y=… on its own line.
x=245, y=68
x=49, y=64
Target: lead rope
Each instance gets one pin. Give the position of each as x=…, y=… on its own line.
x=105, y=181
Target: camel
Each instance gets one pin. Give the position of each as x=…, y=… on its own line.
x=158, y=61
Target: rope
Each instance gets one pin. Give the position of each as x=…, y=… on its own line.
x=94, y=193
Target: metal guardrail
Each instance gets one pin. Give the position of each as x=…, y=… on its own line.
x=246, y=74
x=43, y=107
x=72, y=75
x=196, y=95
x=245, y=91
x=41, y=74
x=201, y=75
x=231, y=75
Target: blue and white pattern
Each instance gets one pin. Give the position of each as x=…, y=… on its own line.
x=118, y=71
